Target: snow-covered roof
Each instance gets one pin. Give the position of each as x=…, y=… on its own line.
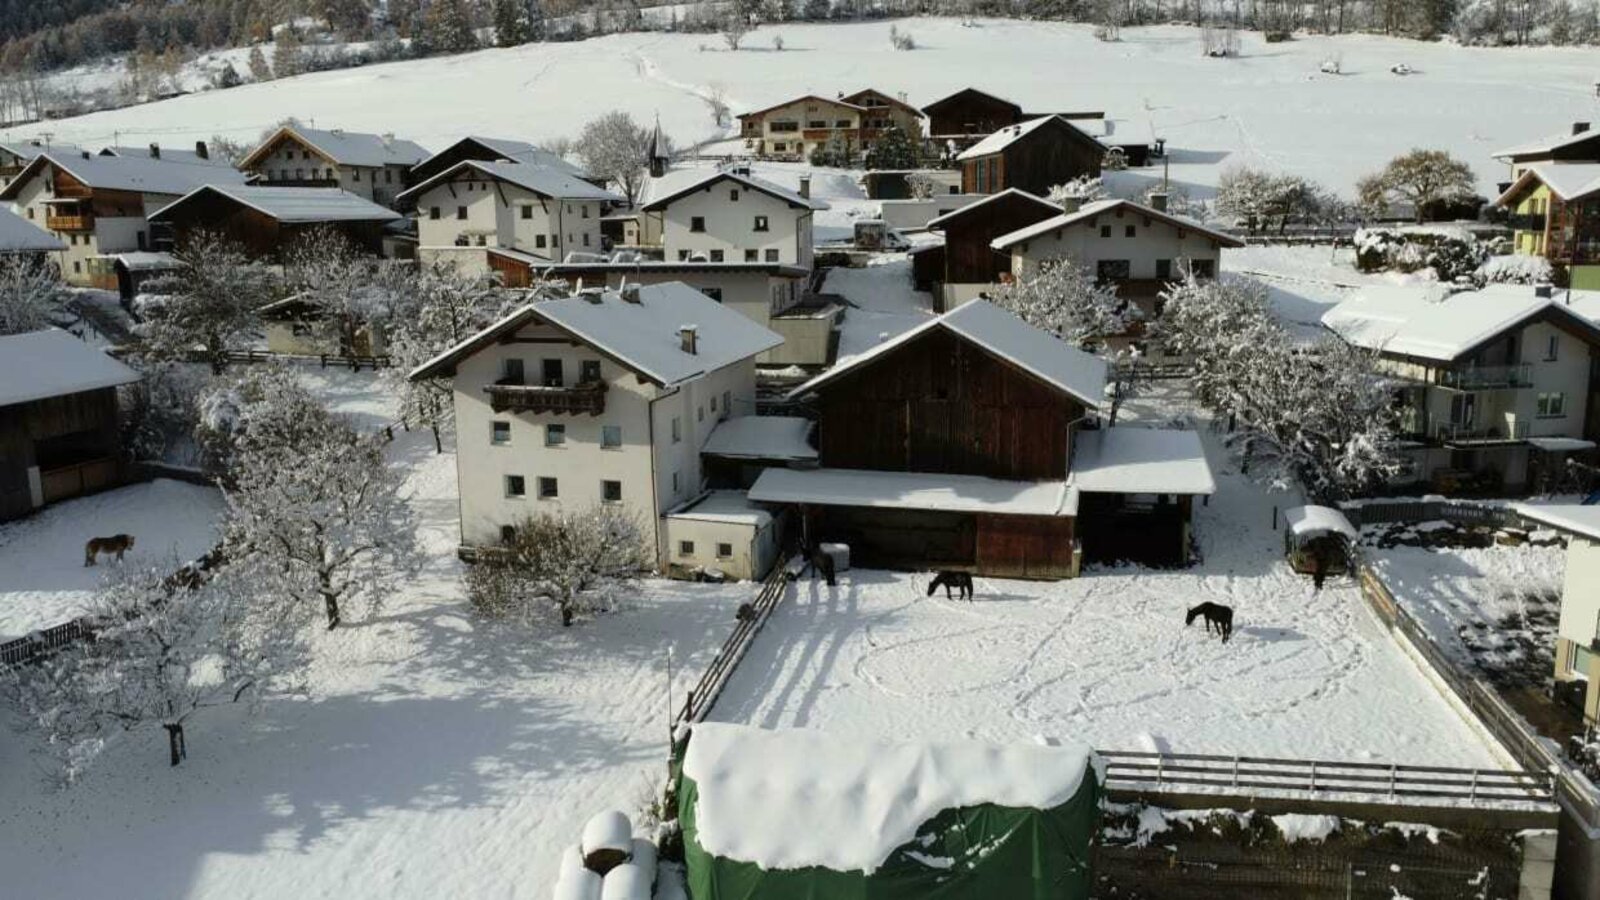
x=128, y=173
x=971, y=208
x=1570, y=517
x=916, y=490
x=514, y=151
x=1010, y=134
x=1556, y=444
x=347, y=148
x=1314, y=521
x=539, y=179
x=1548, y=144
x=18, y=235
x=296, y=205
x=146, y=260
x=801, y=99
x=724, y=507
x=1140, y=461
x=762, y=437
x=1418, y=321
x=674, y=186
x=1098, y=207
x=1568, y=180
x=1041, y=354
x=171, y=154
x=791, y=799
x=27, y=150
x=52, y=363
x=643, y=335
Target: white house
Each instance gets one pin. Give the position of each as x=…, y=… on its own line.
x=1578, y=629
x=605, y=397
x=374, y=166
x=1493, y=385
x=488, y=149
x=100, y=205
x=537, y=213
x=732, y=216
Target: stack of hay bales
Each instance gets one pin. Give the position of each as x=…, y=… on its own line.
x=609, y=863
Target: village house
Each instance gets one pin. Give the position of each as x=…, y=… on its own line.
x=969, y=115
x=607, y=397
x=733, y=216
x=374, y=166
x=265, y=221
x=1555, y=213
x=15, y=156
x=19, y=237
x=100, y=205
x=60, y=435
x=795, y=128
x=1577, y=637
x=883, y=111
x=970, y=442
x=1580, y=144
x=966, y=264
x=531, y=215
x=1033, y=156
x=487, y=149
x=1495, y=387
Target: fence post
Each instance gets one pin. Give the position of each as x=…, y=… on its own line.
x=1393, y=774
x=1160, y=762
x=1313, y=775
x=1472, y=792
x=1235, y=782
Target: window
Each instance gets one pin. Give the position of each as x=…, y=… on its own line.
x=733, y=195
x=482, y=240
x=699, y=413
x=586, y=238
x=727, y=403
x=717, y=256
x=584, y=209
x=461, y=212
x=515, y=486
x=713, y=402
x=299, y=174
x=588, y=371
x=724, y=551
x=713, y=293
x=782, y=127
x=527, y=211
x=511, y=371
x=1552, y=349
x=779, y=147
x=1112, y=270
x=817, y=123
x=697, y=223
x=611, y=437
x=1129, y=231
x=686, y=548
x=1203, y=268
x=433, y=212
x=1551, y=406
x=388, y=176
x=610, y=492
x=555, y=435
x=550, y=372
x=772, y=255
x=677, y=429
x=499, y=432
x=355, y=174
x=1105, y=231
x=752, y=256
x=547, y=489
x=1463, y=410
x=761, y=223
x=555, y=239
x=842, y=123
x=538, y=241
x=77, y=267
x=508, y=533
x=1164, y=269
x=674, y=484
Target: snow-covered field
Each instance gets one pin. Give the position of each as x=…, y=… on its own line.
x=1272, y=107
x=43, y=580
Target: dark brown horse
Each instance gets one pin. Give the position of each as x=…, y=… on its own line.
x=961, y=581
x=1215, y=614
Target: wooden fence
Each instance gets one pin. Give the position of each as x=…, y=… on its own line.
x=1381, y=512
x=1364, y=781
x=705, y=692
x=354, y=363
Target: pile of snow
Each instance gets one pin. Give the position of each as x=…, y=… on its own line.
x=1154, y=820
x=1297, y=827
x=791, y=799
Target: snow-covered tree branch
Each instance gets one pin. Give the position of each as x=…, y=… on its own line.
x=571, y=562
x=31, y=295
x=1063, y=298
x=616, y=148
x=209, y=305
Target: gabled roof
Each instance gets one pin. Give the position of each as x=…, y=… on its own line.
x=541, y=180
x=1548, y=144
x=642, y=336
x=290, y=205
x=1005, y=137
x=762, y=437
x=1090, y=210
x=979, y=322
x=52, y=363
x=1417, y=322
x=18, y=235
x=345, y=148
x=1567, y=180
x=801, y=99
x=938, y=222
x=125, y=173
x=973, y=92
x=704, y=182
x=170, y=154
x=512, y=151
x=28, y=149
x=1135, y=460
x=892, y=99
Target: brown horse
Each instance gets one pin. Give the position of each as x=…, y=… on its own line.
x=1215, y=614
x=961, y=581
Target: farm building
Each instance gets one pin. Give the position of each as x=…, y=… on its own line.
x=266, y=220
x=59, y=434
x=1031, y=156
x=487, y=149
x=967, y=264
x=374, y=166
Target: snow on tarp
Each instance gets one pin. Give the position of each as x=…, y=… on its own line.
x=53, y=363
x=915, y=490
x=794, y=799
x=18, y=235
x=1140, y=461
x=762, y=437
x=1314, y=521
x=1569, y=517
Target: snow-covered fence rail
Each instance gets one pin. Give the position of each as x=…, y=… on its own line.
x=354, y=362
x=1382, y=512
x=1338, y=237
x=1366, y=781
x=716, y=676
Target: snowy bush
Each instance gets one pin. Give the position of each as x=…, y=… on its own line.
x=209, y=304
x=31, y=295
x=901, y=40
x=1515, y=269
x=224, y=410
x=568, y=562
x=1063, y=298
x=1447, y=255
x=1083, y=189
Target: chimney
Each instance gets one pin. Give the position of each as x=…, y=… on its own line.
x=1158, y=201
x=201, y=150
x=155, y=151
x=805, y=186
x=1580, y=127
x=630, y=293
x=1544, y=290
x=688, y=338
x=85, y=154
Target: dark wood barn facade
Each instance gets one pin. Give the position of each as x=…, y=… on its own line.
x=72, y=443
x=968, y=256
x=1052, y=153
x=260, y=234
x=970, y=114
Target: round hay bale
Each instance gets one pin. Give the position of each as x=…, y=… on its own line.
x=607, y=841
x=644, y=856
x=625, y=882
x=571, y=862
x=580, y=885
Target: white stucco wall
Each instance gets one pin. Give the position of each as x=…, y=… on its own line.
x=730, y=226
x=290, y=161
x=1151, y=240
x=1568, y=374
x=494, y=211
x=1580, y=600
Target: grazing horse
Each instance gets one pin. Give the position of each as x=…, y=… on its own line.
x=822, y=563
x=1215, y=614
x=961, y=581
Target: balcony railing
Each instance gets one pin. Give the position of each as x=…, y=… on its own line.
x=1451, y=433
x=589, y=397
x=84, y=222
x=1526, y=222
x=1477, y=378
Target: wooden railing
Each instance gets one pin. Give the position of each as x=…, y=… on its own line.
x=705, y=692
x=587, y=398
x=83, y=222
x=1254, y=775
x=1383, y=512
x=352, y=361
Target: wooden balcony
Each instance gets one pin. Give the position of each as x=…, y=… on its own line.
x=83, y=222
x=588, y=398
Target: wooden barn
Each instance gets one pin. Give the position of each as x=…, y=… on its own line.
x=1032, y=156
x=266, y=220
x=970, y=265
x=969, y=114
x=59, y=435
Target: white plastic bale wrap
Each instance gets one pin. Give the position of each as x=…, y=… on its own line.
x=625, y=882
x=607, y=840
x=571, y=862
x=580, y=885
x=644, y=856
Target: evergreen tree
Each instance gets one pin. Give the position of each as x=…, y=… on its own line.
x=260, y=70
x=448, y=27
x=513, y=24
x=286, y=58
x=893, y=149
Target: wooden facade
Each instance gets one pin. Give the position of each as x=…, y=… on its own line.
x=970, y=113
x=258, y=233
x=72, y=440
x=968, y=256
x=1053, y=153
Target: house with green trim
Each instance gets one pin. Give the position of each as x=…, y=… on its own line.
x=1553, y=196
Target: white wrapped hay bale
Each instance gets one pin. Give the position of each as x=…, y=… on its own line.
x=580, y=885
x=571, y=862
x=625, y=882
x=607, y=841
x=644, y=857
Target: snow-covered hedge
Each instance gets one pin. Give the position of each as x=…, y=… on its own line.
x=1450, y=254
x=1517, y=269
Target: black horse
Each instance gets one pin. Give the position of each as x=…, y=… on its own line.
x=1215, y=614
x=821, y=564
x=961, y=581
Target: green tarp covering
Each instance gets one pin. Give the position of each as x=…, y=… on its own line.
x=971, y=852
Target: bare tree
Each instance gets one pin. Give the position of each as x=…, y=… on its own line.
x=570, y=561
x=734, y=27
x=616, y=148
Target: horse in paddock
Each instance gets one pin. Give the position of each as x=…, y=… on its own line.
x=961, y=581
x=1215, y=614
x=821, y=564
